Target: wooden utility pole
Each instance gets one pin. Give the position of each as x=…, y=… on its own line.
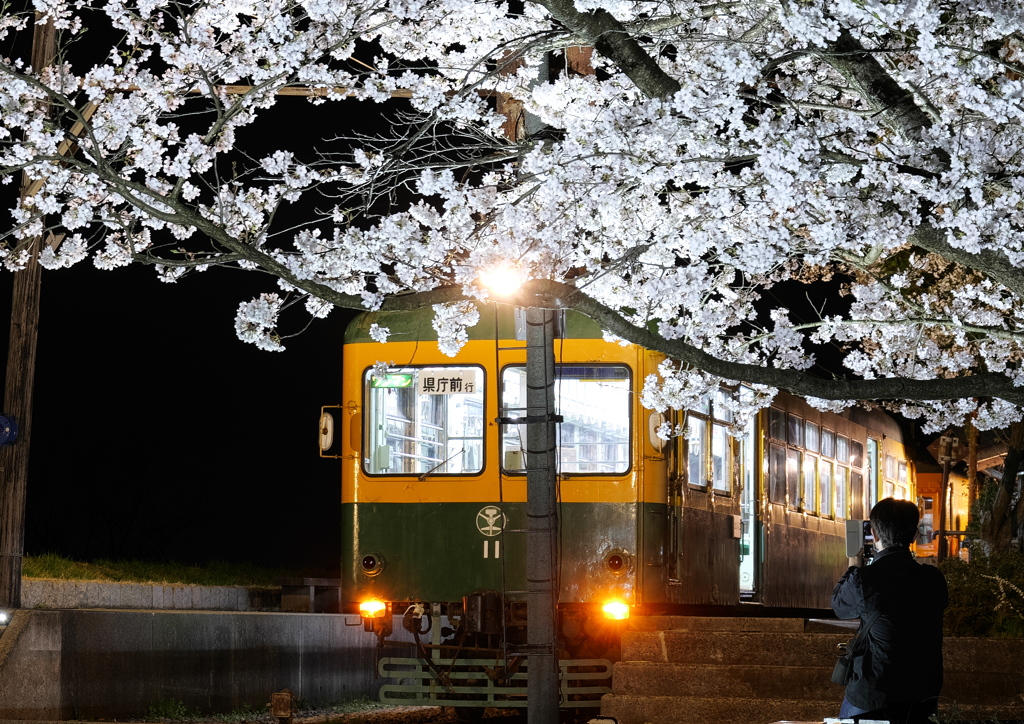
x=542, y=561
x=20, y=379
x=947, y=447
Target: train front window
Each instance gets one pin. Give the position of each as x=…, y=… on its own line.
x=594, y=402
x=424, y=420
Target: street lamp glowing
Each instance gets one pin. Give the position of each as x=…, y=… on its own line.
x=503, y=280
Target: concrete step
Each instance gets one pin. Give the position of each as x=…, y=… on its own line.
x=632, y=709
x=641, y=709
x=1009, y=711
x=986, y=688
x=740, y=648
x=754, y=682
x=718, y=623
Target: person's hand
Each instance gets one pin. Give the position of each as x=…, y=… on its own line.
x=857, y=561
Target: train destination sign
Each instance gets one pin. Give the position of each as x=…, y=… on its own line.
x=447, y=382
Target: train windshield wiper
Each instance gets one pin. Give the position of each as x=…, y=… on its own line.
x=424, y=476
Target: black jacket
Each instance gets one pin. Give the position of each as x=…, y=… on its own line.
x=902, y=661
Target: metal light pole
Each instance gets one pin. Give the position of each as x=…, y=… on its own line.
x=542, y=690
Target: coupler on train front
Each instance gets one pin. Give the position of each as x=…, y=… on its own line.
x=472, y=654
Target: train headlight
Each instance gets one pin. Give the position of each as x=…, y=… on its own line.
x=372, y=609
x=616, y=610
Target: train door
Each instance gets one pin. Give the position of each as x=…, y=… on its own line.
x=750, y=548
x=705, y=494
x=873, y=474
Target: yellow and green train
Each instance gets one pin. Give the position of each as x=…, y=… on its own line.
x=434, y=499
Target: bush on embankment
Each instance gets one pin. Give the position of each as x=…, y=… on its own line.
x=986, y=596
x=213, y=573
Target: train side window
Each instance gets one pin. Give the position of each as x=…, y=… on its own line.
x=722, y=410
x=776, y=423
x=873, y=471
x=888, y=489
x=825, y=488
x=721, y=459
x=890, y=467
x=828, y=443
x=925, y=527
x=696, y=444
x=811, y=436
x=842, y=450
x=777, y=474
x=796, y=430
x=424, y=420
x=856, y=494
x=856, y=454
x=842, y=488
x=810, y=483
x=793, y=477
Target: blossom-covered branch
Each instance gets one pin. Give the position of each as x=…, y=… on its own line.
x=702, y=171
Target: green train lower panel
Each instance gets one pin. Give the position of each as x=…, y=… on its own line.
x=444, y=551
x=482, y=683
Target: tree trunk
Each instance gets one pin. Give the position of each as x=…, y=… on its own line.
x=20, y=380
x=971, y=433
x=1003, y=518
x=21, y=365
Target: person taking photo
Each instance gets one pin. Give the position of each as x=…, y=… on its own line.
x=896, y=673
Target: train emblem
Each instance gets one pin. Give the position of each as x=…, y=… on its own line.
x=490, y=520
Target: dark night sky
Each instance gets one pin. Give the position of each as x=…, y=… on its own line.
x=159, y=435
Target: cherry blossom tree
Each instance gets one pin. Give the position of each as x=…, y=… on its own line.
x=717, y=152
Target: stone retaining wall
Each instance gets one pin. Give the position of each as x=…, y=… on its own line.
x=94, y=664
x=43, y=593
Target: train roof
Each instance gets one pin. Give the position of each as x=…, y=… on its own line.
x=875, y=419
x=497, y=321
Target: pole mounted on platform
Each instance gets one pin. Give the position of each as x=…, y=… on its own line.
x=542, y=690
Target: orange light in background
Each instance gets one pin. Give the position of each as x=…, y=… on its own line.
x=372, y=609
x=616, y=610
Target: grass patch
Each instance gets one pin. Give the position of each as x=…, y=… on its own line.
x=174, y=711
x=170, y=710
x=241, y=715
x=358, y=706
x=214, y=573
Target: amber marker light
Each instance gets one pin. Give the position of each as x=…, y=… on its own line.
x=616, y=610
x=372, y=609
